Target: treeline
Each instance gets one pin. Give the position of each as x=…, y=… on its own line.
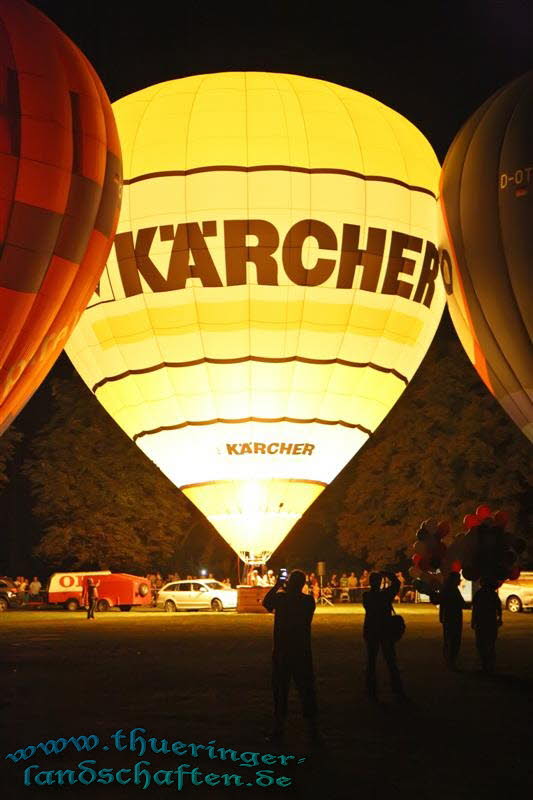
x=96, y=499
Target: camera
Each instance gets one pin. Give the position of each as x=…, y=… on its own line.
x=283, y=575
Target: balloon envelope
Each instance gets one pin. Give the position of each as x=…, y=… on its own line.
x=60, y=180
x=272, y=288
x=487, y=204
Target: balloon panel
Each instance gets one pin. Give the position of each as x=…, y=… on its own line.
x=486, y=199
x=60, y=183
x=272, y=288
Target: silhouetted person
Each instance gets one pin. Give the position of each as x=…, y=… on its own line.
x=292, y=657
x=486, y=619
x=352, y=587
x=451, y=617
x=376, y=631
x=91, y=596
x=35, y=589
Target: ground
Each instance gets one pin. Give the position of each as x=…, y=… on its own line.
x=198, y=677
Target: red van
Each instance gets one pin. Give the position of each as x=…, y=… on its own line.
x=114, y=589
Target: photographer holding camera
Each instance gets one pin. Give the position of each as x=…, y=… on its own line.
x=292, y=656
x=378, y=632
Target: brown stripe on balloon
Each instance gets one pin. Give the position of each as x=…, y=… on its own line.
x=243, y=359
x=201, y=423
x=10, y=113
x=22, y=269
x=6, y=51
x=278, y=480
x=82, y=206
x=111, y=192
x=278, y=168
x=77, y=134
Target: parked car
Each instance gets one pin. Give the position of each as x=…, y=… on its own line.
x=8, y=594
x=114, y=589
x=196, y=595
x=517, y=595
x=467, y=589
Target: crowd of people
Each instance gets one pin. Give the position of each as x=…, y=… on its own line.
x=337, y=588
x=28, y=591
x=292, y=654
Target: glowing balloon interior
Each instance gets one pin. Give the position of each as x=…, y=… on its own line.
x=273, y=286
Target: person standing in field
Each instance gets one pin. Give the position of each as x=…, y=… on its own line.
x=90, y=597
x=334, y=585
x=377, y=603
x=22, y=590
x=399, y=596
x=352, y=587
x=35, y=589
x=364, y=579
x=486, y=619
x=343, y=584
x=292, y=655
x=451, y=604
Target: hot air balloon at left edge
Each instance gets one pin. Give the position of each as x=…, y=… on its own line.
x=60, y=191
x=272, y=288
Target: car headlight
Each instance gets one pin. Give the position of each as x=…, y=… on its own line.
x=143, y=589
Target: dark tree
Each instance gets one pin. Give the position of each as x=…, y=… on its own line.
x=102, y=502
x=8, y=443
x=446, y=448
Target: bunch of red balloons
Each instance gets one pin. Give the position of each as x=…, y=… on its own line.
x=429, y=555
x=486, y=550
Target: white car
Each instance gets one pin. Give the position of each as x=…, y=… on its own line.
x=197, y=594
x=517, y=595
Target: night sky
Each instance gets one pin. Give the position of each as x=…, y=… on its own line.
x=435, y=63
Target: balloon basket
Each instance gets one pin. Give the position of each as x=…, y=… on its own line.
x=250, y=599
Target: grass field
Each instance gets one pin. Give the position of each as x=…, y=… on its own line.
x=196, y=677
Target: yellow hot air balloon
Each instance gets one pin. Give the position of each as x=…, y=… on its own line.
x=273, y=286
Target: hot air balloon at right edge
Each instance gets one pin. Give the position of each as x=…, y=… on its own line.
x=487, y=213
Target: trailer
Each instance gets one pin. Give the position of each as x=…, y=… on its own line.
x=115, y=589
